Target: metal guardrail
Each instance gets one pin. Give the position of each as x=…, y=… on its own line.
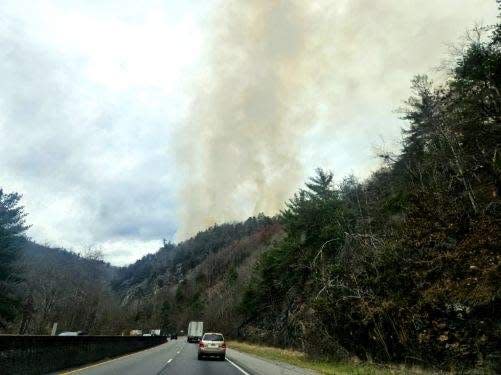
x=43, y=354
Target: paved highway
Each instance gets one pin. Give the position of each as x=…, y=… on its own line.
x=177, y=357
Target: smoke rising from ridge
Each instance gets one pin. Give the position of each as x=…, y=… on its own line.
x=250, y=115
x=277, y=69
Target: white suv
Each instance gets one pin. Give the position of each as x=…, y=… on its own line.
x=212, y=344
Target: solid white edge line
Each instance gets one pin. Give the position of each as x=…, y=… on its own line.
x=238, y=367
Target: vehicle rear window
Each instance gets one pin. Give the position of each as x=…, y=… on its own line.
x=213, y=337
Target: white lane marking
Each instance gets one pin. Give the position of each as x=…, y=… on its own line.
x=238, y=367
x=169, y=361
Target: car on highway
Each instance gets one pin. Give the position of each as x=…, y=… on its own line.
x=212, y=344
x=173, y=336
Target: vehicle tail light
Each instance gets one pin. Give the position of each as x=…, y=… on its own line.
x=200, y=344
x=223, y=345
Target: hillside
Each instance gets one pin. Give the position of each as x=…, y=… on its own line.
x=186, y=281
x=60, y=286
x=165, y=289
x=404, y=266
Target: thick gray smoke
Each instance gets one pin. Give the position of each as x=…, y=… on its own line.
x=250, y=113
x=278, y=68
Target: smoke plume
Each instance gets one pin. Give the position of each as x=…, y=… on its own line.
x=278, y=68
x=250, y=113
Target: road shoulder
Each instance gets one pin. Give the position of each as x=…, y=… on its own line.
x=262, y=366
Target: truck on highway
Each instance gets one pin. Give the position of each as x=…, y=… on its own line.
x=195, y=331
x=136, y=332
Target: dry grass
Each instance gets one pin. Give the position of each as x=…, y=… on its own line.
x=302, y=360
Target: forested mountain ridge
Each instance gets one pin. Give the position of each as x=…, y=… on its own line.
x=404, y=266
x=170, y=260
x=41, y=285
x=60, y=286
x=180, y=282
x=82, y=292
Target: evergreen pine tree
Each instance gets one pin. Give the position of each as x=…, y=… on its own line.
x=12, y=229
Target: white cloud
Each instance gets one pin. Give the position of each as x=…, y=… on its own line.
x=89, y=100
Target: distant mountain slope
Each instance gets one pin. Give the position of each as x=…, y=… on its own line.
x=161, y=290
x=64, y=287
x=171, y=262
x=201, y=278
x=34, y=253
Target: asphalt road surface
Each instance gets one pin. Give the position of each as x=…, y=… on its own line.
x=177, y=357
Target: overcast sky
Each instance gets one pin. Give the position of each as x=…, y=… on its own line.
x=97, y=105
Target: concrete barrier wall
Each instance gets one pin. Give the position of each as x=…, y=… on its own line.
x=44, y=354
